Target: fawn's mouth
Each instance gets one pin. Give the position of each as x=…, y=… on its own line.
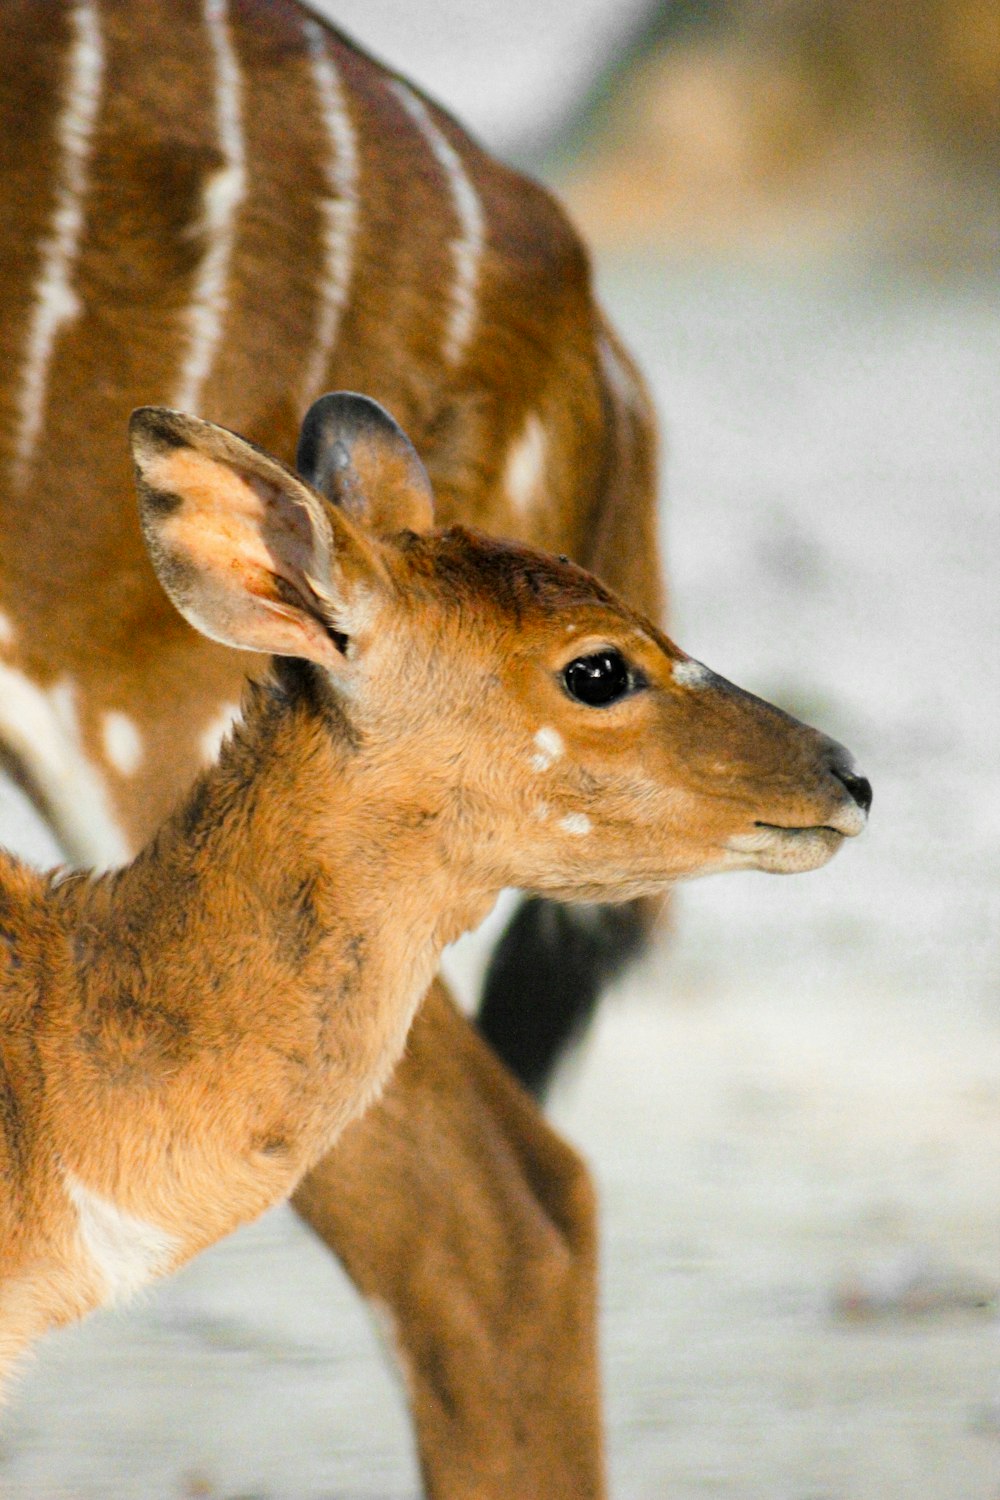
x=782, y=850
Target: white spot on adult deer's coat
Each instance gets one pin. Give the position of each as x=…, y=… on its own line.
x=127, y=1251
x=56, y=302
x=577, y=823
x=210, y=740
x=467, y=247
x=525, y=465
x=548, y=747
x=691, y=673
x=222, y=195
x=122, y=743
x=42, y=728
x=8, y=634
x=339, y=206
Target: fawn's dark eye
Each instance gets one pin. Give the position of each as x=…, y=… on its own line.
x=598, y=679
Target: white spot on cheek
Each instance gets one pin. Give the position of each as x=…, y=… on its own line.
x=211, y=739
x=549, y=747
x=128, y=1252
x=525, y=466
x=122, y=743
x=691, y=673
x=577, y=823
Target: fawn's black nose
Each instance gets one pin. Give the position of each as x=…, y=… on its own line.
x=859, y=787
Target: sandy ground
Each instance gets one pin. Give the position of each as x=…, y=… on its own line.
x=794, y=1108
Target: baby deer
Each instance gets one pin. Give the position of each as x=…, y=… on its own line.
x=448, y=715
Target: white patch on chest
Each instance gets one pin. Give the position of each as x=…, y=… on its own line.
x=548, y=748
x=42, y=727
x=122, y=743
x=210, y=740
x=577, y=823
x=691, y=673
x=525, y=466
x=128, y=1252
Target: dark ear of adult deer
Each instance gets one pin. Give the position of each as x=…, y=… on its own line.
x=227, y=208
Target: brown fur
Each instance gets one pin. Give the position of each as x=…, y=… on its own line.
x=187, y=1036
x=89, y=620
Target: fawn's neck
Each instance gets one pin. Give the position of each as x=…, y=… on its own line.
x=252, y=975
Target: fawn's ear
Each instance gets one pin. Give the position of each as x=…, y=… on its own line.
x=248, y=553
x=354, y=453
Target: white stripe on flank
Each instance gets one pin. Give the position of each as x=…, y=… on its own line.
x=56, y=302
x=127, y=1251
x=222, y=195
x=340, y=205
x=42, y=728
x=467, y=248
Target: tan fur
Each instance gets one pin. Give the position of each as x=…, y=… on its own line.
x=478, y=1196
x=186, y=1037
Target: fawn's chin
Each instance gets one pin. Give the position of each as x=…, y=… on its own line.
x=785, y=851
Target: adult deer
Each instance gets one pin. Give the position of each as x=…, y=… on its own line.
x=231, y=209
x=182, y=1039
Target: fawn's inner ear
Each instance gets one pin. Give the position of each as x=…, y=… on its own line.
x=356, y=454
x=246, y=551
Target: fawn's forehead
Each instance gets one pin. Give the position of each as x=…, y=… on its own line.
x=513, y=583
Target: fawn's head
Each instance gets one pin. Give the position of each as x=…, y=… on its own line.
x=557, y=741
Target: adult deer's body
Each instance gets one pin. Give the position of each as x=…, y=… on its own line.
x=184, y=1038
x=230, y=208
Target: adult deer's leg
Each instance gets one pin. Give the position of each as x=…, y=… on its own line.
x=551, y=964
x=494, y=1311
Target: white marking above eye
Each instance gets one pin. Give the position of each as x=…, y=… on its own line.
x=577, y=823
x=549, y=745
x=690, y=673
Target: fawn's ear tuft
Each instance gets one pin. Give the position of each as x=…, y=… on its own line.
x=356, y=454
x=248, y=553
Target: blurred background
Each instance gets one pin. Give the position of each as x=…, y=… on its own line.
x=793, y=1107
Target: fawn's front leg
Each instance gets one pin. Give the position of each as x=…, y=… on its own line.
x=453, y=1204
